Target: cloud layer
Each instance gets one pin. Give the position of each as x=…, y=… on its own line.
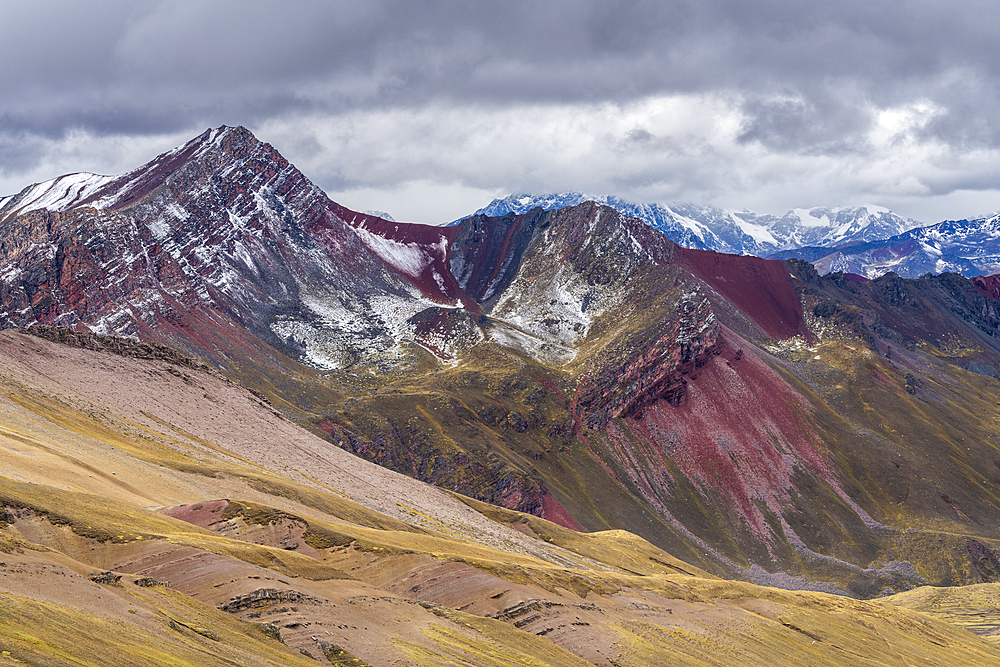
x=425, y=109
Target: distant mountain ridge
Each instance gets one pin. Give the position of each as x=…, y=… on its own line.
x=969, y=247
x=733, y=232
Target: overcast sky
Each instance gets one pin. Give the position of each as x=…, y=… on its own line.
x=427, y=110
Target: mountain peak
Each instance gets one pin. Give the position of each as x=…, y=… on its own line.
x=112, y=192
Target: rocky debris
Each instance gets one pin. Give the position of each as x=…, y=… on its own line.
x=272, y=631
x=525, y=612
x=149, y=582
x=107, y=578
x=652, y=371
x=339, y=656
x=123, y=347
x=174, y=624
x=447, y=332
x=913, y=383
x=984, y=560
x=892, y=289
x=263, y=597
x=826, y=309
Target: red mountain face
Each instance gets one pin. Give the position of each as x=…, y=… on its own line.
x=745, y=414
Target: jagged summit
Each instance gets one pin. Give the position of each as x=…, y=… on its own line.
x=219, y=232
x=969, y=247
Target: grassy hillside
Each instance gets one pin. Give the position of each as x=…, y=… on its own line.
x=239, y=537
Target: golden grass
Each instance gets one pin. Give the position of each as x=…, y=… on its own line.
x=105, y=520
x=486, y=643
x=38, y=633
x=975, y=608
x=803, y=628
x=616, y=548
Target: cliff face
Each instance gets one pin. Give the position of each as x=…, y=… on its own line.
x=573, y=364
x=651, y=367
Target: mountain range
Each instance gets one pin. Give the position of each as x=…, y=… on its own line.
x=866, y=240
x=968, y=247
x=734, y=232
x=588, y=437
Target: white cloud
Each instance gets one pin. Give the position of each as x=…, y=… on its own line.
x=431, y=164
x=77, y=151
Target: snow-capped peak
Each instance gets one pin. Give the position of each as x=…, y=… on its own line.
x=58, y=194
x=730, y=231
x=102, y=191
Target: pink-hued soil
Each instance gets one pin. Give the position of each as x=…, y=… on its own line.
x=988, y=286
x=742, y=434
x=435, y=280
x=553, y=511
x=760, y=288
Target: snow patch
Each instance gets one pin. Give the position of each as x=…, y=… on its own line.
x=159, y=228
x=408, y=258
x=808, y=219
x=758, y=233
x=539, y=348
x=691, y=225
x=345, y=331
x=59, y=194
x=177, y=211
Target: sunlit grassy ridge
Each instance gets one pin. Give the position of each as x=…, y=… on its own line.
x=975, y=608
x=38, y=633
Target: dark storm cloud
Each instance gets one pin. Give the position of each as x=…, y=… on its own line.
x=807, y=79
x=18, y=152
x=161, y=65
x=825, y=126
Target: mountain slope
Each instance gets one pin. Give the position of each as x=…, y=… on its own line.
x=128, y=460
x=232, y=240
x=968, y=247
